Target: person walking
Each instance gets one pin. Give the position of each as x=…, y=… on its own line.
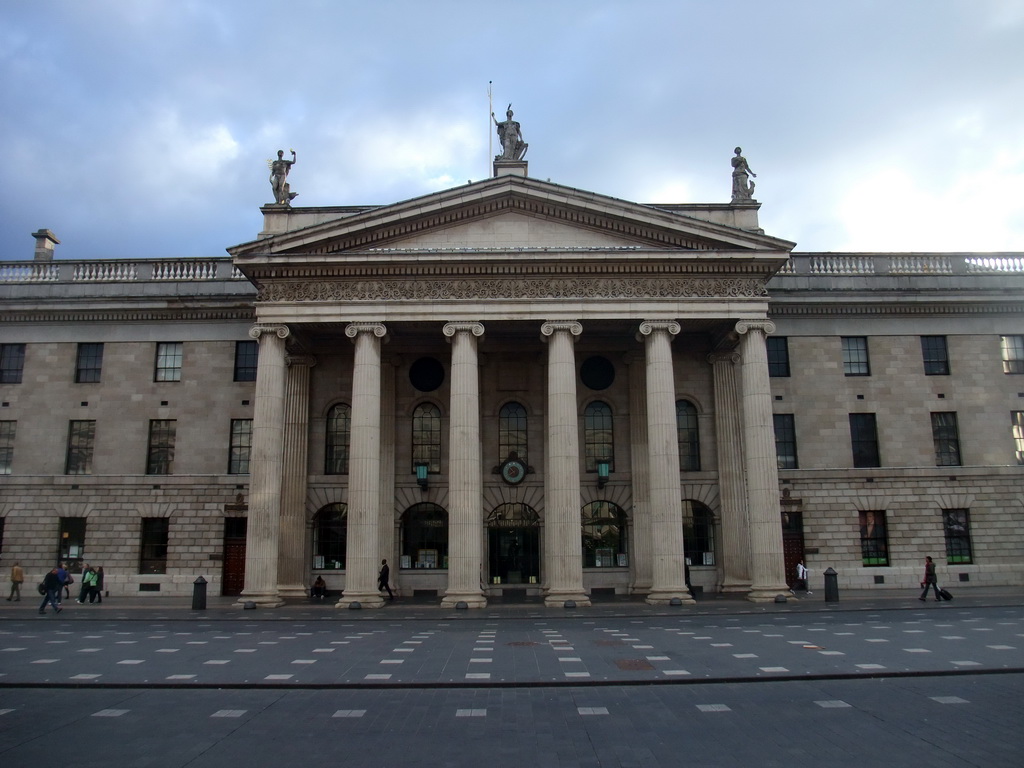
x=929, y=581
x=89, y=585
x=801, y=575
x=52, y=586
x=382, y=579
x=83, y=590
x=17, y=577
x=63, y=575
x=97, y=586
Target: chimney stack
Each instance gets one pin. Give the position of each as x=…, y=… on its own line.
x=45, y=241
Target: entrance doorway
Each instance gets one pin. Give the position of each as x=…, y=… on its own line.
x=513, y=538
x=792, y=543
x=233, y=572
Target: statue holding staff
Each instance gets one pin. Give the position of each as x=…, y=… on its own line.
x=279, y=170
x=511, y=137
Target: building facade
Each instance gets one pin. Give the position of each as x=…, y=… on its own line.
x=513, y=387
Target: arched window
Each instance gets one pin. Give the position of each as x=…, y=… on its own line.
x=598, y=437
x=698, y=533
x=604, y=535
x=689, y=436
x=330, y=535
x=426, y=437
x=339, y=432
x=512, y=431
x=425, y=536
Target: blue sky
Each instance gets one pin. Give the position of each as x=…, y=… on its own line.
x=141, y=128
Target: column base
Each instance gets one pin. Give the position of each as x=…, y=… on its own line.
x=365, y=600
x=733, y=587
x=292, y=590
x=767, y=594
x=265, y=600
x=557, y=599
x=471, y=599
x=666, y=596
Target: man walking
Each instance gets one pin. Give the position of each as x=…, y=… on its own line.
x=52, y=586
x=17, y=577
x=930, y=580
x=382, y=579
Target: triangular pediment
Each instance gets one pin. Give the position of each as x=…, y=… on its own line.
x=505, y=212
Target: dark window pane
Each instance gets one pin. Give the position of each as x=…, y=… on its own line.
x=241, y=445
x=956, y=526
x=688, y=435
x=89, y=363
x=855, y=356
x=426, y=437
x=81, y=435
x=946, y=437
x=246, y=357
x=778, y=356
x=330, y=537
x=599, y=444
x=935, y=355
x=339, y=432
x=604, y=529
x=153, y=547
x=512, y=432
x=864, y=440
x=785, y=440
x=161, y=446
x=12, y=363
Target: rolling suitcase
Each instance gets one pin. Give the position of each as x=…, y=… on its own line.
x=945, y=594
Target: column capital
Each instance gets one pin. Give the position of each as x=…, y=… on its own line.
x=573, y=327
x=475, y=328
x=726, y=356
x=307, y=360
x=755, y=325
x=377, y=329
x=648, y=327
x=282, y=331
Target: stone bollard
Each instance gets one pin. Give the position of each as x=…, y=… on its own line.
x=199, y=594
x=831, y=585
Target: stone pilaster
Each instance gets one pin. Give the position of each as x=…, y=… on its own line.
x=362, y=561
x=669, y=560
x=641, y=569
x=765, y=523
x=265, y=469
x=563, y=555
x=465, y=482
x=291, y=562
x=732, y=489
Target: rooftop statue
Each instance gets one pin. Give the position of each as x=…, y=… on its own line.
x=742, y=186
x=278, y=178
x=511, y=137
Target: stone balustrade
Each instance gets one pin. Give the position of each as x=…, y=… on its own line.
x=118, y=270
x=860, y=264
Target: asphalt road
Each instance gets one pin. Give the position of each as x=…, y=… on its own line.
x=929, y=685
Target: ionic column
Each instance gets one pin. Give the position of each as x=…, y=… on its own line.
x=732, y=488
x=668, y=558
x=563, y=554
x=767, y=568
x=386, y=525
x=265, y=469
x=465, y=483
x=362, y=561
x=291, y=563
x=641, y=568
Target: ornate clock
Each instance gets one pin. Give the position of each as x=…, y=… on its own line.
x=513, y=471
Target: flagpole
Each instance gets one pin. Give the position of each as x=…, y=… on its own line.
x=490, y=133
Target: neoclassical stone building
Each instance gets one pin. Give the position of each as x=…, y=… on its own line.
x=514, y=387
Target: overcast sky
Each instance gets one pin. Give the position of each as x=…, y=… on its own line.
x=142, y=128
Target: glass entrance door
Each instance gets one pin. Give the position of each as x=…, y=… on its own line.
x=514, y=555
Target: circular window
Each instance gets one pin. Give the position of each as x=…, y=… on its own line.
x=597, y=373
x=426, y=374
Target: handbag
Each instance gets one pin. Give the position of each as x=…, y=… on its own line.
x=41, y=588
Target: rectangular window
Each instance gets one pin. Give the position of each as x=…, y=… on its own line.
x=855, y=356
x=874, y=545
x=168, y=361
x=1017, y=424
x=785, y=440
x=864, y=440
x=7, y=432
x=241, y=444
x=89, y=363
x=778, y=356
x=246, y=356
x=947, y=439
x=935, y=355
x=1012, y=348
x=160, y=456
x=71, y=545
x=12, y=363
x=956, y=524
x=81, y=436
x=153, y=545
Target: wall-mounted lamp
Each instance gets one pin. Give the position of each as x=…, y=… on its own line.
x=603, y=468
x=421, y=468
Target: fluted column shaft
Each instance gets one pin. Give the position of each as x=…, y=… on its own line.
x=363, y=546
x=265, y=469
x=642, y=538
x=465, y=482
x=765, y=523
x=291, y=578
x=732, y=490
x=563, y=554
x=668, y=557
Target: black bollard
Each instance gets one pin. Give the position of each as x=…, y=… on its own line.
x=831, y=585
x=199, y=594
